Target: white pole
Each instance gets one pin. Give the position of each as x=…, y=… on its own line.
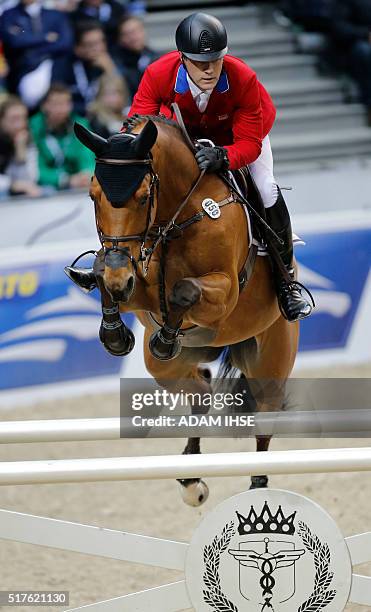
x=60, y=430
x=186, y=466
x=292, y=423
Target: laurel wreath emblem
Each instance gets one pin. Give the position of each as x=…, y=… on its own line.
x=320, y=596
x=213, y=595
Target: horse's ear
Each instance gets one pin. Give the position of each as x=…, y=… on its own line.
x=145, y=140
x=94, y=142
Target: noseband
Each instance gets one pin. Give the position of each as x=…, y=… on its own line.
x=142, y=238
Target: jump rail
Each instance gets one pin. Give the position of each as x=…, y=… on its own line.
x=335, y=422
x=185, y=466
x=157, y=552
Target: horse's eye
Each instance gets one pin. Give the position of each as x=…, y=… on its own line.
x=143, y=200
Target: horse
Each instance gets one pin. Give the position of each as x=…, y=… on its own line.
x=175, y=243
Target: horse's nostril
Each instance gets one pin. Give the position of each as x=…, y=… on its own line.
x=130, y=283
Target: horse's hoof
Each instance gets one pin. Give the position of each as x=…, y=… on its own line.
x=164, y=349
x=259, y=482
x=118, y=342
x=194, y=494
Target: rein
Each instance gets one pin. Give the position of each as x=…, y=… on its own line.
x=162, y=233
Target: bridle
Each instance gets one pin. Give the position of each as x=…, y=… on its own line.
x=142, y=238
x=160, y=235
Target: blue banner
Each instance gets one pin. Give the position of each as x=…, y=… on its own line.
x=335, y=267
x=49, y=328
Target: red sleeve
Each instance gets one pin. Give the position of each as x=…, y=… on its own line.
x=247, y=127
x=147, y=100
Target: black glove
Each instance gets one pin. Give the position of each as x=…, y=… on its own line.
x=212, y=159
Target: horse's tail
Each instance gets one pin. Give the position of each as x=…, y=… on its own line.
x=237, y=380
x=226, y=367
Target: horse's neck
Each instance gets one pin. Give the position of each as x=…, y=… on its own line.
x=177, y=171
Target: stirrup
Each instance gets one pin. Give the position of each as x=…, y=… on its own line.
x=84, y=278
x=294, y=285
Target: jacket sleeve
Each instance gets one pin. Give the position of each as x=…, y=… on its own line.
x=247, y=127
x=48, y=175
x=147, y=100
x=84, y=158
x=16, y=39
x=344, y=28
x=65, y=37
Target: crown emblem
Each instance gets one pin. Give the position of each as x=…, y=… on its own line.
x=266, y=522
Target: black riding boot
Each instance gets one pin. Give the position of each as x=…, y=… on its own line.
x=292, y=303
x=82, y=277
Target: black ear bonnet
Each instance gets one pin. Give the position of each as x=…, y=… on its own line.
x=119, y=182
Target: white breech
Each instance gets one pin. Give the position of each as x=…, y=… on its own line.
x=262, y=173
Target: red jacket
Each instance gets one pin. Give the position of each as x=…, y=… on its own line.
x=240, y=112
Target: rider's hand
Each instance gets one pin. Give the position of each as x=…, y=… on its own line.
x=212, y=159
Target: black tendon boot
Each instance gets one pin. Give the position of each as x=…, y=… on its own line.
x=293, y=304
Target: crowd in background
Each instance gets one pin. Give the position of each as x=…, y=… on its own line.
x=68, y=60
x=63, y=61
x=340, y=30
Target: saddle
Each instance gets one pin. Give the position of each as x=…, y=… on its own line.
x=242, y=178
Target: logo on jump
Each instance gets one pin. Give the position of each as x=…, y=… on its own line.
x=268, y=551
x=267, y=555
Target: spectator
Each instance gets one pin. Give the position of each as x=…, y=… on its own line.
x=35, y=39
x=63, y=161
x=106, y=12
x=18, y=156
x=352, y=38
x=90, y=61
x=132, y=54
x=107, y=111
x=3, y=70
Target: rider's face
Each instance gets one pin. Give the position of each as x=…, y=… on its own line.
x=204, y=74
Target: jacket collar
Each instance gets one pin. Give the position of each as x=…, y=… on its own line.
x=182, y=86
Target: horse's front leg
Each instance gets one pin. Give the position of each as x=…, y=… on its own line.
x=206, y=296
x=116, y=337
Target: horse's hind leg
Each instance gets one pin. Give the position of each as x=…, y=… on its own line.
x=260, y=482
x=169, y=374
x=268, y=367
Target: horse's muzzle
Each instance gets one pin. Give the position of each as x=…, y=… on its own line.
x=119, y=276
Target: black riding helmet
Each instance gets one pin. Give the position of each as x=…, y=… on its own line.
x=201, y=37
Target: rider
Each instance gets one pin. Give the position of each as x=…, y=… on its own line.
x=221, y=99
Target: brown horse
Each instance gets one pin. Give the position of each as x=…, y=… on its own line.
x=179, y=269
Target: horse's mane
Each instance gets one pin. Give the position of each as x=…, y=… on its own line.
x=132, y=122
